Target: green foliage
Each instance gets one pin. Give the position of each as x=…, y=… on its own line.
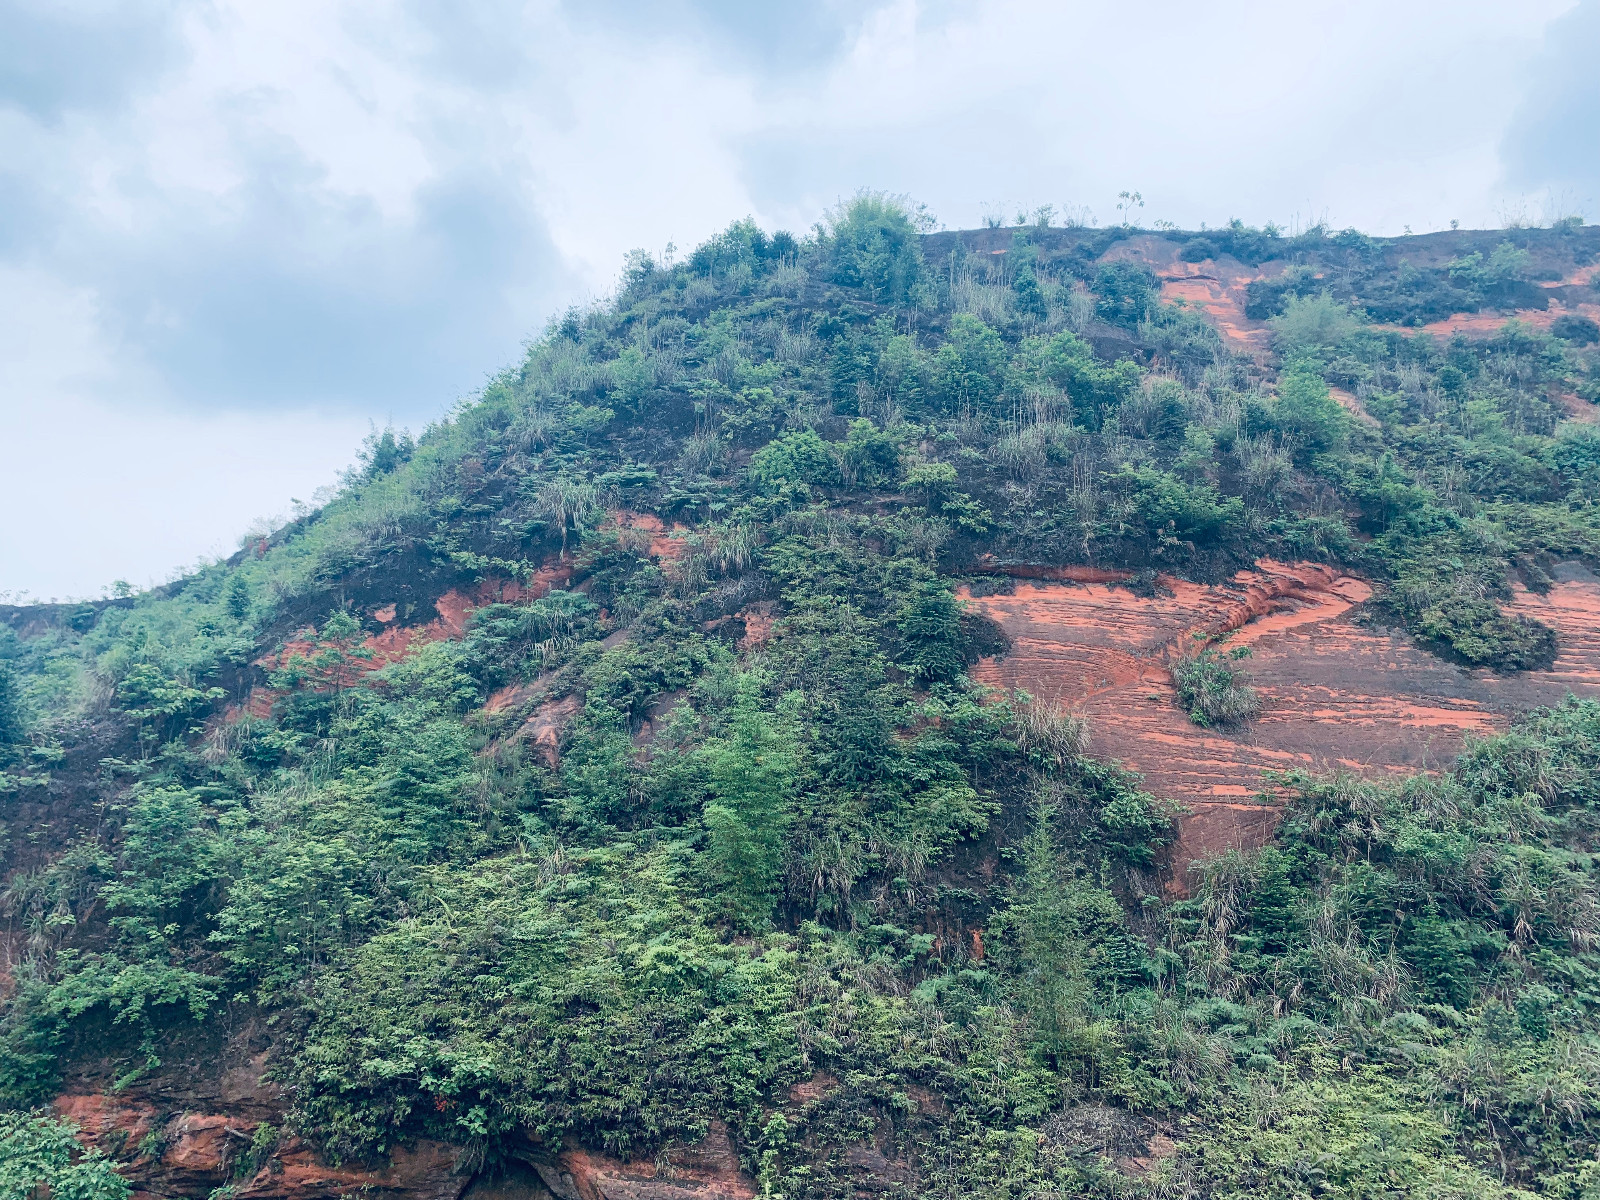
x=1306, y=412
x=1067, y=362
x=869, y=456
x=13, y=715
x=40, y=1156
x=933, y=481
x=801, y=457
x=872, y=242
x=968, y=370
x=383, y=453
x=1212, y=690
x=1126, y=292
x=556, y=994
x=167, y=705
x=1171, y=510
x=1484, y=636
x=1579, y=330
x=1493, y=276
x=1309, y=322
x=931, y=627
x=751, y=774
x=723, y=812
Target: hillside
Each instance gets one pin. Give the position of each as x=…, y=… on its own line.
x=1015, y=712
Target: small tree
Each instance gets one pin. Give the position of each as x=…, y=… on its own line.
x=752, y=774
x=1213, y=690
x=13, y=714
x=1126, y=203
x=333, y=660
x=930, y=626
x=236, y=597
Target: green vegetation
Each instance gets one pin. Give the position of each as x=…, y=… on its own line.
x=41, y=1157
x=1212, y=690
x=818, y=852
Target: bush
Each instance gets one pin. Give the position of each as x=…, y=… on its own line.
x=1214, y=692
x=1478, y=632
x=1127, y=292
x=869, y=456
x=39, y=1156
x=13, y=718
x=969, y=369
x=873, y=245
x=1578, y=330
x=1311, y=321
x=1307, y=412
x=794, y=458
x=930, y=626
x=1067, y=362
x=1169, y=507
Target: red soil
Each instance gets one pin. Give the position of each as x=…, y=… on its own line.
x=396, y=642
x=758, y=619
x=1352, y=405
x=1216, y=286
x=666, y=543
x=1490, y=322
x=707, y=1171
x=1335, y=695
x=543, y=729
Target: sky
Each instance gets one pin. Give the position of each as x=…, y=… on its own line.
x=235, y=235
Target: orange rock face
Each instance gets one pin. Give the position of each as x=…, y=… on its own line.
x=1216, y=286
x=193, y=1153
x=1335, y=694
x=708, y=1171
x=392, y=644
x=666, y=543
x=544, y=728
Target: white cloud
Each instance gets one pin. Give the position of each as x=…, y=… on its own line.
x=226, y=220
x=95, y=492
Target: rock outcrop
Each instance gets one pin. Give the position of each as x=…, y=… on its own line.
x=182, y=1153
x=1336, y=694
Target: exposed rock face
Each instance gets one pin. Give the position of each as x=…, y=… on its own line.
x=193, y=1153
x=708, y=1171
x=1216, y=287
x=1336, y=695
x=663, y=542
x=544, y=728
x=395, y=640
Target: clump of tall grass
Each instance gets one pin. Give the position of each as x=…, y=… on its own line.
x=1047, y=733
x=1212, y=690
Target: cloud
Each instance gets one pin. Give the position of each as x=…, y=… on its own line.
x=1379, y=116
x=148, y=495
x=310, y=213
x=61, y=55
x=769, y=39
x=270, y=226
x=1553, y=144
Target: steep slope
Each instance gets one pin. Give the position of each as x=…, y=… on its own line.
x=621, y=791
